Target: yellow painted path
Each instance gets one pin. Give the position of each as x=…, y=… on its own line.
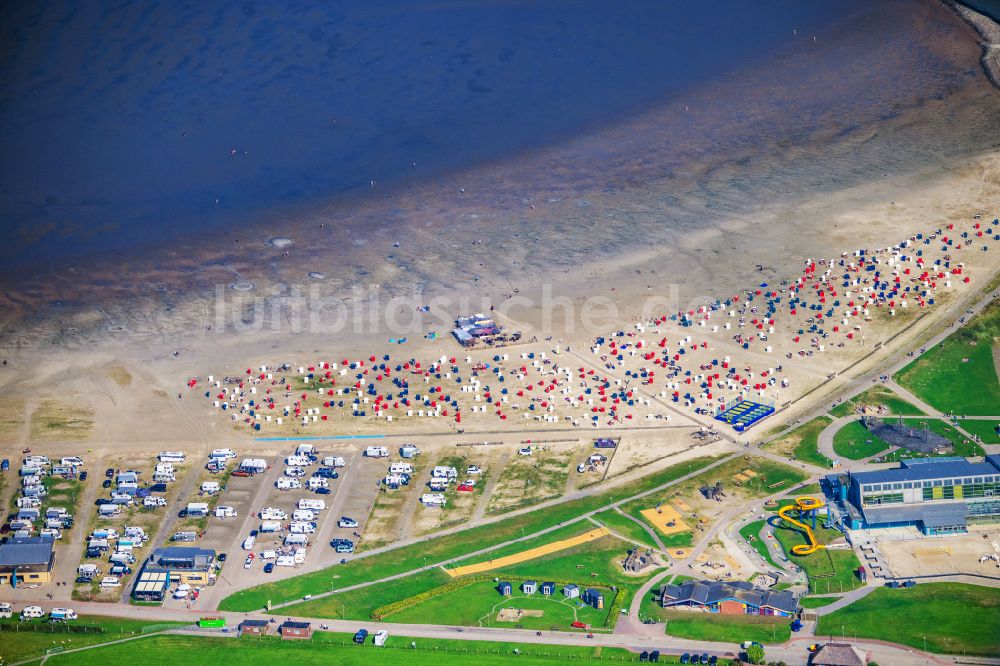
x=530, y=554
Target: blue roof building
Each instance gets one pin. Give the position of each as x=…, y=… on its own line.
x=935, y=495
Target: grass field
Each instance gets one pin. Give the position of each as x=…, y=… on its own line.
x=801, y=443
x=854, y=442
x=959, y=375
x=816, y=602
x=724, y=628
x=449, y=547
x=11, y=416
x=828, y=570
x=953, y=617
x=24, y=644
x=625, y=526
x=338, y=649
x=987, y=430
x=751, y=534
x=873, y=397
x=478, y=602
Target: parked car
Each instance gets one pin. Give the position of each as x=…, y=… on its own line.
x=361, y=636
x=347, y=522
x=106, y=484
x=84, y=579
x=222, y=557
x=101, y=501
x=524, y=451
x=158, y=488
x=269, y=567
x=654, y=656
x=323, y=491
x=703, y=659
x=249, y=561
x=83, y=476
x=685, y=658
x=644, y=656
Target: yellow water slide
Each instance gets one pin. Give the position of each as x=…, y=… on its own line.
x=803, y=504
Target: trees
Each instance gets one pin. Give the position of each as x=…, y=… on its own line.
x=755, y=654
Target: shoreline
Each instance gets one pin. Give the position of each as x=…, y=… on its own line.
x=989, y=32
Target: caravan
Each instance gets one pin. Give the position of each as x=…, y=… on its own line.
x=302, y=527
x=270, y=526
x=303, y=514
x=314, y=504
x=297, y=461
x=334, y=461
x=270, y=513
x=400, y=468
x=286, y=483
x=225, y=512
x=376, y=452
x=196, y=510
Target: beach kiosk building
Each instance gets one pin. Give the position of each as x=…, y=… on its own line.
x=504, y=588
x=593, y=597
x=571, y=591
x=253, y=627
x=295, y=630
x=529, y=587
x=547, y=588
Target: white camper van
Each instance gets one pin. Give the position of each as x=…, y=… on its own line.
x=314, y=504
x=172, y=456
x=376, y=452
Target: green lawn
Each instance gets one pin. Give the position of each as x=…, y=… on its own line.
x=725, y=628
x=25, y=643
x=802, y=442
x=337, y=649
x=828, y=570
x=479, y=603
x=446, y=548
x=987, y=430
x=808, y=489
x=953, y=617
x=751, y=534
x=817, y=602
x=624, y=526
x=941, y=378
x=359, y=604
x=873, y=397
x=854, y=442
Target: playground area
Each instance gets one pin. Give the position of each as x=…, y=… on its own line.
x=745, y=414
x=666, y=519
x=529, y=554
x=908, y=553
x=907, y=435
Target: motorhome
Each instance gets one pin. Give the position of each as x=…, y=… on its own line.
x=172, y=456
x=136, y=533
x=222, y=454
x=111, y=581
x=269, y=526
x=297, y=461
x=314, y=504
x=302, y=527
x=376, y=452
x=196, y=510
x=184, y=536
x=28, y=502
x=334, y=461
x=164, y=468
x=122, y=557
x=5, y=610
x=153, y=502
x=107, y=510
x=284, y=561
x=296, y=539
x=269, y=555
x=318, y=482
x=253, y=465
x=36, y=460
x=271, y=513
x=400, y=468
x=249, y=542
x=72, y=461
x=432, y=499
x=438, y=484
x=409, y=451
x=305, y=450
x=225, y=512
x=395, y=480
x=88, y=570
x=442, y=472
x=32, y=612
x=285, y=483
x=209, y=487
x=303, y=514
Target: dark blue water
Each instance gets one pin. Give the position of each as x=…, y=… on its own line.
x=126, y=124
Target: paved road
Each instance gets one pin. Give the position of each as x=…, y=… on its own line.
x=794, y=652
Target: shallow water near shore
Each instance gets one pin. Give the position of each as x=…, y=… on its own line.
x=598, y=135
